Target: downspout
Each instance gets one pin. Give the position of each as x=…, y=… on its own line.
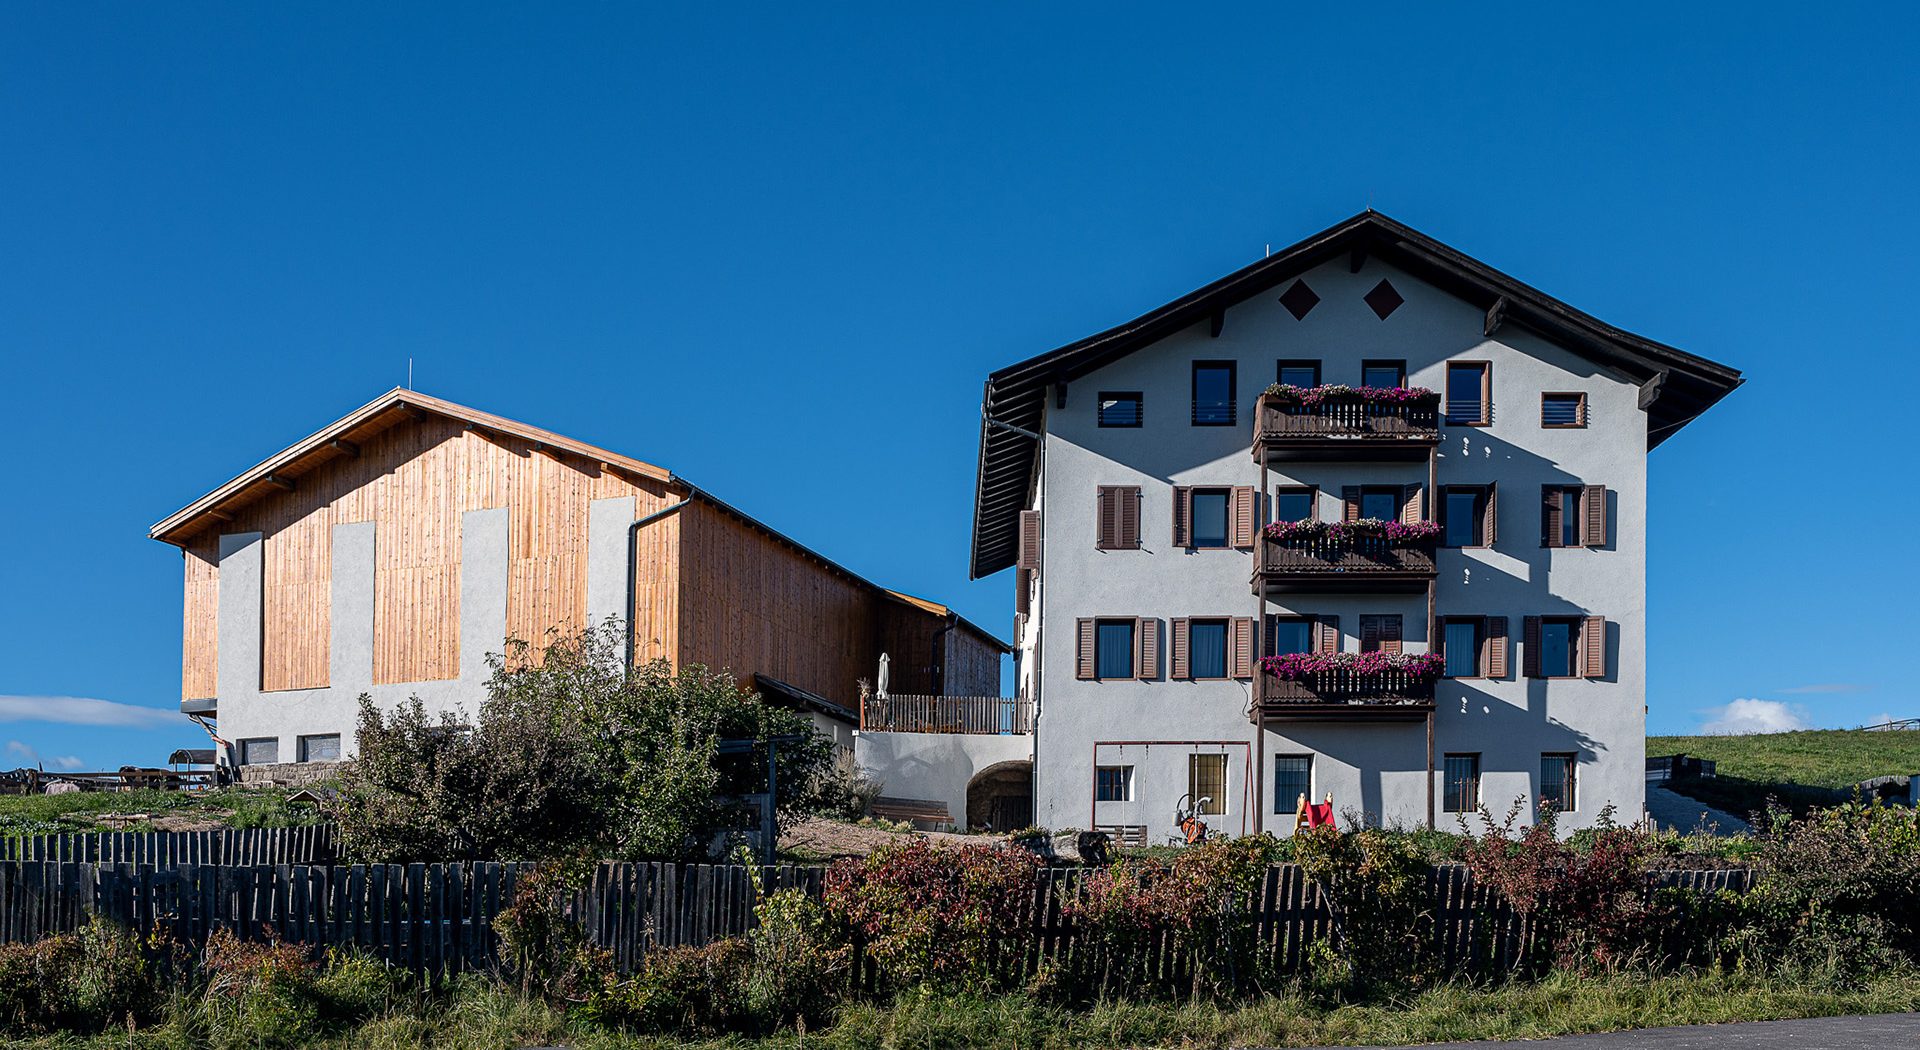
x=633, y=563
x=940, y=654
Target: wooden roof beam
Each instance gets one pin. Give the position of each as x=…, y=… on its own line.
x=1496, y=316
x=283, y=482
x=345, y=448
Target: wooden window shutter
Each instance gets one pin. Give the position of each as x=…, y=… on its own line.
x=1146, y=646
x=1242, y=639
x=1549, y=516
x=1413, y=504
x=1246, y=503
x=1350, y=495
x=1182, y=500
x=1494, y=663
x=1083, y=648
x=1022, y=592
x=1019, y=628
x=1326, y=634
x=1593, y=516
x=1180, y=666
x=1530, y=647
x=1489, y=517
x=1029, y=539
x=1370, y=631
x=1106, y=513
x=1128, y=499
x=1593, y=647
x=1390, y=634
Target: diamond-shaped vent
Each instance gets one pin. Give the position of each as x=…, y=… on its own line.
x=1299, y=299
x=1384, y=299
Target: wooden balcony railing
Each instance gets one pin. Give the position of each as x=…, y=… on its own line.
x=1344, y=694
x=904, y=713
x=1359, y=562
x=1344, y=424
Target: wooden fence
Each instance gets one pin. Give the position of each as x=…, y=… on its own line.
x=438, y=917
x=315, y=844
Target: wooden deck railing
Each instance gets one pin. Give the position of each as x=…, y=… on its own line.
x=1386, y=692
x=1346, y=418
x=905, y=713
x=1315, y=556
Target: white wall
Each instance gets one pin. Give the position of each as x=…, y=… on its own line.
x=935, y=766
x=1378, y=768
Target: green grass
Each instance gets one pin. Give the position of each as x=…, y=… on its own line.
x=480, y=1015
x=1797, y=770
x=82, y=811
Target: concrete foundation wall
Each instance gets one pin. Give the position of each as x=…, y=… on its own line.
x=935, y=766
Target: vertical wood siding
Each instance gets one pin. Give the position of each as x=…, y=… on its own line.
x=200, y=636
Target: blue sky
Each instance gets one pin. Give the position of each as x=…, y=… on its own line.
x=227, y=225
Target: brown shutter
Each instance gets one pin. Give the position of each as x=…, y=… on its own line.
x=1022, y=592
x=1326, y=634
x=1246, y=501
x=1182, y=535
x=1179, y=667
x=1106, y=516
x=1146, y=648
x=1083, y=648
x=1029, y=539
x=1413, y=504
x=1549, y=516
x=1350, y=494
x=1128, y=500
x=1019, y=628
x=1593, y=647
x=1489, y=517
x=1530, y=647
x=1494, y=663
x=1240, y=660
x=1593, y=516
x=1440, y=510
x=1390, y=633
x=1370, y=632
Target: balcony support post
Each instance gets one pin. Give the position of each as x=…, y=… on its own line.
x=1429, y=770
x=1259, y=642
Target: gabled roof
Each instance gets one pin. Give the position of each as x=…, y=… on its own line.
x=338, y=438
x=1675, y=386
x=934, y=608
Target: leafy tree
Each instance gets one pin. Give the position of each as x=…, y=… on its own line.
x=573, y=753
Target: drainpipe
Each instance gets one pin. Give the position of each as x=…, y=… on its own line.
x=940, y=654
x=633, y=563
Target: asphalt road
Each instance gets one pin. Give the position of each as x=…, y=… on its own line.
x=1876, y=1032
x=1672, y=810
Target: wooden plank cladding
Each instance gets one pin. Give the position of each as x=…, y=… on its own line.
x=908, y=713
x=1344, y=428
x=1356, y=563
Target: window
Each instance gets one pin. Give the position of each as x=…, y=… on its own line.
x=1113, y=649
x=1211, y=511
x=1292, y=778
x=1289, y=634
x=1207, y=649
x=1469, y=393
x=1121, y=409
x=1563, y=411
x=1380, y=633
x=1300, y=373
x=1573, y=516
x=1207, y=779
x=1293, y=503
x=1466, y=516
x=260, y=751
x=1383, y=373
x=1113, y=784
x=1556, y=781
x=324, y=747
x=1556, y=647
x=1461, y=787
x=1460, y=645
x=1380, y=503
x=1213, y=396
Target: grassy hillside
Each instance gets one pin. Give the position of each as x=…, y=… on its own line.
x=1798, y=770
x=147, y=810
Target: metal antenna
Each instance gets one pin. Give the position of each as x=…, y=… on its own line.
x=409, y=371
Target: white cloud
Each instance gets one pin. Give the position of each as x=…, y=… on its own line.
x=84, y=711
x=1753, y=716
x=67, y=762
x=23, y=751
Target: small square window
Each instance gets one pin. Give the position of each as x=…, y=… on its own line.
x=1383, y=373
x=1558, y=638
x=1380, y=503
x=1211, y=509
x=1207, y=648
x=1292, y=779
x=1463, y=516
x=1461, y=790
x=1300, y=373
x=1213, y=394
x=1293, y=504
x=323, y=747
x=1207, y=780
x=1113, y=649
x=1113, y=784
x=1469, y=393
x=1121, y=409
x=1556, y=780
x=260, y=751
x=1563, y=411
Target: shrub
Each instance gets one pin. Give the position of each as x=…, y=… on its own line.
x=933, y=915
x=1376, y=883
x=1838, y=890
x=97, y=977
x=542, y=947
x=257, y=993
x=695, y=989
x=802, y=960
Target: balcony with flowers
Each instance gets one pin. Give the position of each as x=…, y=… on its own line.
x=1369, y=686
x=1369, y=555
x=1336, y=421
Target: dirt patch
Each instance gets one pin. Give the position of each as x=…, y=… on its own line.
x=839, y=838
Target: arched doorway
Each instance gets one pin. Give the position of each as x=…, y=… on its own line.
x=1000, y=797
